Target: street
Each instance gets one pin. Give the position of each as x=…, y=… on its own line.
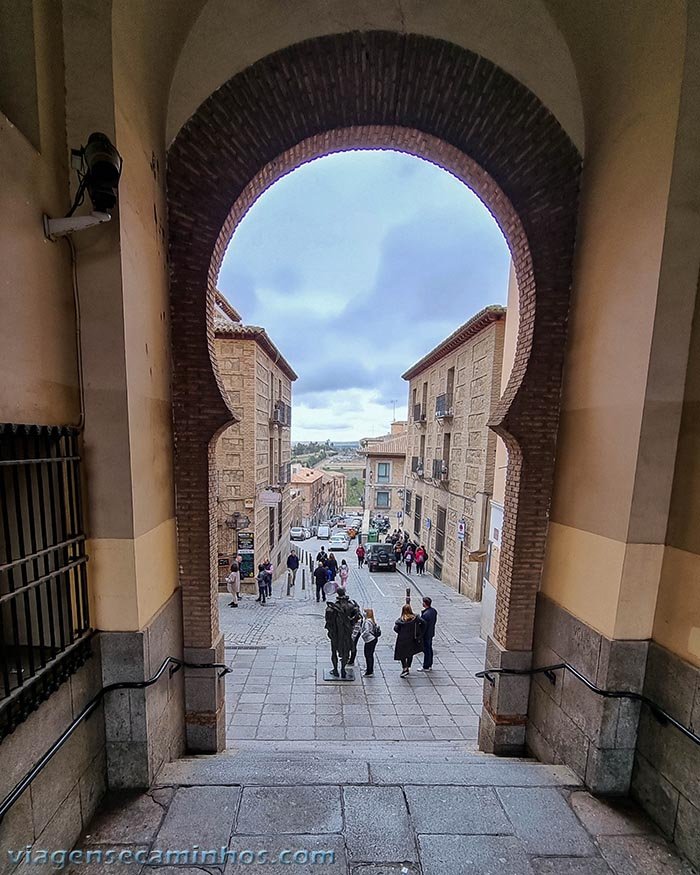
x=277, y=652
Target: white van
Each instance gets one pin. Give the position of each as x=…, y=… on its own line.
x=324, y=532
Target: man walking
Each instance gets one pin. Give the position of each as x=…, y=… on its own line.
x=293, y=565
x=429, y=617
x=322, y=556
x=320, y=579
x=360, y=553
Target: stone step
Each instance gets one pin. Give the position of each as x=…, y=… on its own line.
x=304, y=768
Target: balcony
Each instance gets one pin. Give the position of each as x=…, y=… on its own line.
x=281, y=414
x=417, y=466
x=443, y=406
x=440, y=471
x=419, y=413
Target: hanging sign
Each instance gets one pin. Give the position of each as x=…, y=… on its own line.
x=461, y=530
x=269, y=498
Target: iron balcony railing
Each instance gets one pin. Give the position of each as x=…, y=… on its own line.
x=282, y=414
x=418, y=413
x=443, y=406
x=44, y=617
x=440, y=471
x=417, y=466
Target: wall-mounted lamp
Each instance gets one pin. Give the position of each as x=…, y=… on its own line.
x=99, y=167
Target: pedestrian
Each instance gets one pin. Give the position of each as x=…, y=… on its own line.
x=233, y=583
x=320, y=579
x=322, y=555
x=397, y=552
x=293, y=564
x=429, y=618
x=421, y=558
x=332, y=566
x=356, y=632
x=344, y=572
x=268, y=569
x=370, y=635
x=263, y=576
x=409, y=638
x=360, y=553
x=408, y=559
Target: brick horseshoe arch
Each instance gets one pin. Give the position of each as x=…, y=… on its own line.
x=370, y=90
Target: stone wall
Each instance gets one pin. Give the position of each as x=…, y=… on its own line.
x=666, y=775
x=63, y=798
x=567, y=723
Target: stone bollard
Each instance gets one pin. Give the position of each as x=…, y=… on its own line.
x=408, y=595
x=289, y=582
x=303, y=578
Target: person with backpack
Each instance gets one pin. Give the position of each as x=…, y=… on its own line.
x=233, y=582
x=421, y=558
x=344, y=573
x=370, y=635
x=264, y=580
x=408, y=558
x=360, y=553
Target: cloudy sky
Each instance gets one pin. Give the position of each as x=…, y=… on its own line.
x=357, y=264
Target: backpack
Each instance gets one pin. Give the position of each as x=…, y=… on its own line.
x=377, y=630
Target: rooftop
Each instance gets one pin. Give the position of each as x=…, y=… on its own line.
x=395, y=445
x=306, y=475
x=492, y=313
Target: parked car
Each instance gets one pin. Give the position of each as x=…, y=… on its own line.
x=296, y=533
x=340, y=524
x=380, y=557
x=339, y=541
x=352, y=532
x=324, y=532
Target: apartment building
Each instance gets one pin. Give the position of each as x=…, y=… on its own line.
x=253, y=456
x=452, y=452
x=385, y=471
x=334, y=492
x=309, y=483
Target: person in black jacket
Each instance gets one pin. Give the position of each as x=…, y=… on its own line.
x=320, y=579
x=429, y=617
x=409, y=638
x=293, y=565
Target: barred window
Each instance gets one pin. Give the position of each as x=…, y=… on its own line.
x=44, y=621
x=407, y=508
x=417, y=515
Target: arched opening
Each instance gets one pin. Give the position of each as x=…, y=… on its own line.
x=414, y=94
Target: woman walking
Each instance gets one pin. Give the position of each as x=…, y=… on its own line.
x=370, y=634
x=421, y=558
x=233, y=582
x=360, y=553
x=408, y=559
x=409, y=638
x=332, y=566
x=344, y=574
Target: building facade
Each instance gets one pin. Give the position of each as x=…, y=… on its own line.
x=451, y=451
x=385, y=472
x=253, y=455
x=309, y=483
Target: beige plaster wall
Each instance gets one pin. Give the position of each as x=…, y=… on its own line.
x=37, y=328
x=630, y=64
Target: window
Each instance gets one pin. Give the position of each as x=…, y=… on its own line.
x=407, y=502
x=450, y=384
x=446, y=444
x=44, y=620
x=383, y=499
x=279, y=518
x=422, y=450
x=383, y=472
x=271, y=462
x=440, y=531
x=271, y=526
x=417, y=515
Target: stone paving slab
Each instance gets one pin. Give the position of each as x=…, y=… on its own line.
x=457, y=810
x=238, y=770
x=303, y=846
x=491, y=774
x=473, y=855
x=377, y=827
x=544, y=823
x=632, y=855
x=201, y=816
x=280, y=810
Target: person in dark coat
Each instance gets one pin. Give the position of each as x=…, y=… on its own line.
x=264, y=581
x=320, y=579
x=293, y=565
x=429, y=617
x=409, y=638
x=332, y=565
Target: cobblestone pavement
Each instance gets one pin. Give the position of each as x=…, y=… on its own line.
x=277, y=652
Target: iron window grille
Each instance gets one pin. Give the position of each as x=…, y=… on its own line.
x=440, y=526
x=440, y=471
x=417, y=465
x=419, y=413
x=443, y=406
x=417, y=515
x=44, y=617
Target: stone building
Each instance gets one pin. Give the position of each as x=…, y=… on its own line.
x=452, y=392
x=253, y=455
x=385, y=475
x=333, y=492
x=600, y=413
x=309, y=482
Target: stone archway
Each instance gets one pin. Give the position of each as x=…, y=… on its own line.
x=446, y=104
